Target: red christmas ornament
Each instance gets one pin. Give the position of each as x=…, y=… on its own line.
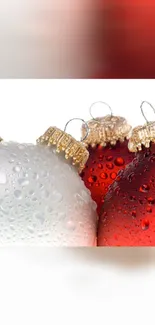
x=128, y=214
x=108, y=154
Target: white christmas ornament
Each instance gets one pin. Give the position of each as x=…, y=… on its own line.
x=43, y=201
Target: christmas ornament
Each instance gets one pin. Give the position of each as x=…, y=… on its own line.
x=42, y=198
x=107, y=145
x=128, y=214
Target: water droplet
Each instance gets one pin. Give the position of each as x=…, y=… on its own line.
x=18, y=194
x=100, y=166
x=131, y=177
x=11, y=160
x=45, y=194
x=145, y=224
x=113, y=175
x=117, y=190
x=97, y=184
x=144, y=188
x=34, y=199
x=151, y=201
x=94, y=161
x=134, y=214
x=109, y=165
x=31, y=193
x=12, y=227
x=104, y=175
x=39, y=216
x=35, y=176
x=16, y=169
x=91, y=170
x=23, y=181
x=109, y=158
x=119, y=161
x=2, y=178
x=71, y=225
x=132, y=198
x=56, y=196
x=152, y=159
x=92, y=179
x=149, y=209
x=11, y=219
x=101, y=157
x=30, y=229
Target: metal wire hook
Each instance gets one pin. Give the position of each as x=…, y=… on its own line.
x=80, y=119
x=99, y=102
x=141, y=107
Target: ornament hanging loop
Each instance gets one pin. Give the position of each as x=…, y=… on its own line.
x=141, y=107
x=79, y=119
x=99, y=102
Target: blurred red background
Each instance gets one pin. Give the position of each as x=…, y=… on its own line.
x=126, y=39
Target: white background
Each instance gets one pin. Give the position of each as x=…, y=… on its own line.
x=73, y=286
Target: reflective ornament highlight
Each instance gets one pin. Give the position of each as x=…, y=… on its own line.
x=43, y=201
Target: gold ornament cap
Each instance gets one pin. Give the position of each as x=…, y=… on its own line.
x=142, y=135
x=64, y=142
x=104, y=130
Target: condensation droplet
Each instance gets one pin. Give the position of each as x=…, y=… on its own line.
x=131, y=177
x=149, y=209
x=23, y=181
x=92, y=179
x=119, y=161
x=2, y=178
x=113, y=176
x=40, y=216
x=35, y=176
x=132, y=198
x=45, y=194
x=71, y=225
x=145, y=224
x=16, y=169
x=18, y=194
x=56, y=196
x=30, y=229
x=104, y=175
x=109, y=158
x=133, y=214
x=109, y=165
x=151, y=201
x=31, y=193
x=100, y=166
x=144, y=188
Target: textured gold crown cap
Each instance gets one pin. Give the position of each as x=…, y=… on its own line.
x=104, y=130
x=64, y=142
x=142, y=136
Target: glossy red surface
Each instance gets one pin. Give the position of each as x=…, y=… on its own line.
x=102, y=168
x=128, y=216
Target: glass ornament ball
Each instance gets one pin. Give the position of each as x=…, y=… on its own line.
x=128, y=212
x=43, y=201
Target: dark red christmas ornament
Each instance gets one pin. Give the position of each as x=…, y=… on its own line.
x=108, y=154
x=128, y=213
